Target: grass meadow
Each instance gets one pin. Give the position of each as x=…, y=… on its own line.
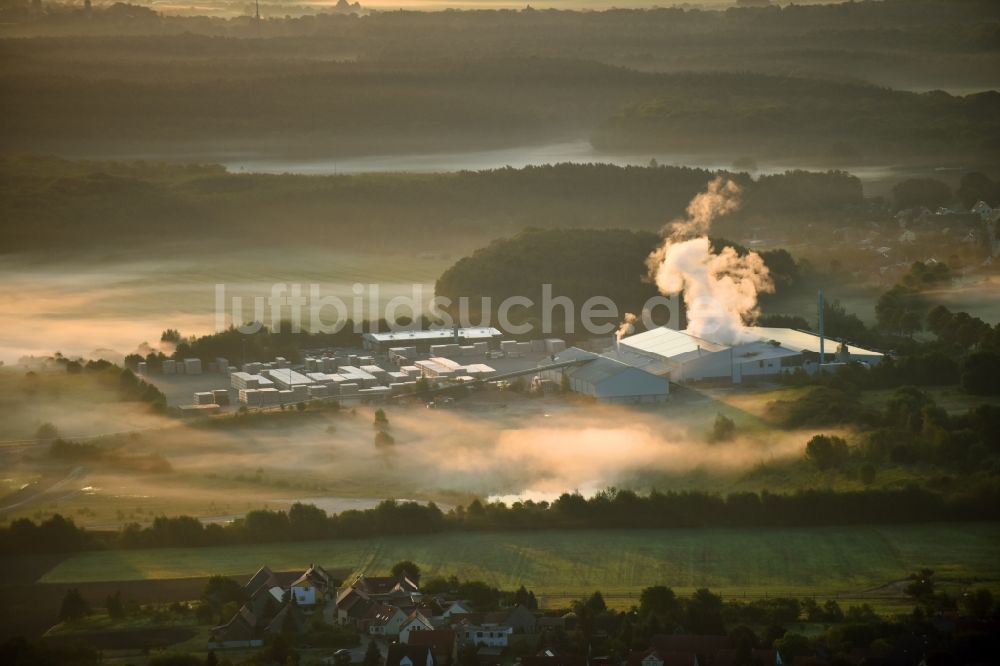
x=821, y=562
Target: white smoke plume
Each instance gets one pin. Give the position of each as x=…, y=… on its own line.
x=720, y=289
x=627, y=326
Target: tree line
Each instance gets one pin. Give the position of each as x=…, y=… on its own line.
x=612, y=508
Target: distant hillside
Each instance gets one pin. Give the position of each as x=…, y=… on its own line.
x=58, y=204
x=791, y=117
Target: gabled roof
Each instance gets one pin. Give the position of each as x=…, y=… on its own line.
x=264, y=576
x=401, y=654
x=242, y=626
x=439, y=640
x=670, y=343
x=277, y=625
x=797, y=340
x=667, y=658
x=381, y=614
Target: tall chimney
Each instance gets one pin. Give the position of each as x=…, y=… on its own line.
x=822, y=339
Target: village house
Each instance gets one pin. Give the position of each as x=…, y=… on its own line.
x=409, y=655
x=312, y=587
x=415, y=622
x=383, y=620
x=239, y=632
x=442, y=642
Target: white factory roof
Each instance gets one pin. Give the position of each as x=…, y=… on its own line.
x=670, y=343
x=760, y=351
x=288, y=376
x=799, y=341
x=480, y=332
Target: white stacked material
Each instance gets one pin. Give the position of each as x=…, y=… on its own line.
x=286, y=397
x=480, y=370
x=332, y=388
x=410, y=370
x=204, y=398
x=220, y=396
x=198, y=410
x=329, y=364
x=250, y=397
x=244, y=380
x=464, y=379
x=312, y=364
x=467, y=350
x=318, y=391
x=375, y=391
x=141, y=367
x=268, y=396
x=335, y=380
x=441, y=350
x=231, y=370
x=401, y=387
x=318, y=377
x=192, y=366
x=169, y=366
x=286, y=378
x=252, y=368
x=481, y=347
x=222, y=365
x=300, y=391
x=357, y=375
x=508, y=345
x=349, y=388
x=364, y=360
x=430, y=368
x=375, y=371
x=446, y=362
x=398, y=377
x=180, y=368
x=554, y=345
x=400, y=355
x=281, y=362
x=525, y=347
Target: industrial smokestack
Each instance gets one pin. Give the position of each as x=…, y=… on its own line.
x=822, y=338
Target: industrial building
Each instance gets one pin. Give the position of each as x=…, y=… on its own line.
x=422, y=340
x=768, y=352
x=609, y=379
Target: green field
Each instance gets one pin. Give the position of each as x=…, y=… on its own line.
x=806, y=561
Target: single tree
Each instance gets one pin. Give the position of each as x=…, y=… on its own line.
x=73, y=606
x=373, y=657
x=408, y=569
x=113, y=604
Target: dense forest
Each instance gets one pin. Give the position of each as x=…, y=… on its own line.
x=578, y=264
x=58, y=204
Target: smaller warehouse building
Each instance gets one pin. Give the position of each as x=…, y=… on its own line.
x=422, y=340
x=608, y=379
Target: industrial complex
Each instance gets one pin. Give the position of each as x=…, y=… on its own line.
x=636, y=369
